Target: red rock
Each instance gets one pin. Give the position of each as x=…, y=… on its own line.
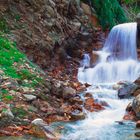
x=136, y=93
x=129, y=116
x=88, y=95
x=91, y=106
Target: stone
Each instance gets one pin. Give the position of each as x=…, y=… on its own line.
x=137, y=134
x=129, y=116
x=126, y=89
x=129, y=107
x=77, y=100
x=41, y=129
x=86, y=8
x=77, y=115
x=94, y=57
x=29, y=97
x=136, y=106
x=68, y=92
x=138, y=124
x=8, y=114
x=88, y=95
x=137, y=81
x=136, y=93
x=91, y=106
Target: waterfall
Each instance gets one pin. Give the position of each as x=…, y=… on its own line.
x=118, y=58
x=117, y=61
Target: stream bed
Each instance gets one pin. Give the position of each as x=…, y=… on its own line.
x=103, y=125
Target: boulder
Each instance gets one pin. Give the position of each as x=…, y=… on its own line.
x=40, y=129
x=77, y=115
x=76, y=100
x=137, y=134
x=136, y=106
x=136, y=93
x=129, y=107
x=138, y=124
x=8, y=114
x=94, y=57
x=91, y=106
x=129, y=116
x=68, y=92
x=126, y=89
x=137, y=81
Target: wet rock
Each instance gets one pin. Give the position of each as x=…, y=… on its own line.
x=137, y=134
x=104, y=103
x=41, y=129
x=91, y=106
x=29, y=97
x=137, y=81
x=136, y=106
x=120, y=122
x=88, y=95
x=8, y=114
x=94, y=57
x=129, y=107
x=77, y=115
x=126, y=89
x=68, y=92
x=129, y=116
x=76, y=100
x=136, y=93
x=138, y=124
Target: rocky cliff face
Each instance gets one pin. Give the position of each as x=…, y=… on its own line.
x=41, y=28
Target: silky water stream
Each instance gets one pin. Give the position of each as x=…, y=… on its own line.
x=117, y=62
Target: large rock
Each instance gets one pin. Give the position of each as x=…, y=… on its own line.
x=68, y=92
x=126, y=89
x=29, y=97
x=136, y=106
x=91, y=106
x=94, y=58
x=136, y=93
x=77, y=115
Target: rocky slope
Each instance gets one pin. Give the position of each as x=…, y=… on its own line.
x=54, y=34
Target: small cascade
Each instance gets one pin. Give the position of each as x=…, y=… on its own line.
x=85, y=63
x=118, y=58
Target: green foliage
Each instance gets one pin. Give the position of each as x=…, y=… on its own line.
x=109, y=12
x=130, y=1
x=13, y=63
x=132, y=8
x=20, y=112
x=4, y=95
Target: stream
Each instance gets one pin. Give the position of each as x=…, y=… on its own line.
x=117, y=62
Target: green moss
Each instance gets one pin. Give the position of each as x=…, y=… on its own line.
x=4, y=95
x=16, y=65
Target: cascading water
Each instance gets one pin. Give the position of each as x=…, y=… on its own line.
x=117, y=62
x=117, y=59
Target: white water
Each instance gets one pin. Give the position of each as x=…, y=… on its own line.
x=118, y=62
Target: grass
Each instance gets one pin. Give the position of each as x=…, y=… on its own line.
x=13, y=63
